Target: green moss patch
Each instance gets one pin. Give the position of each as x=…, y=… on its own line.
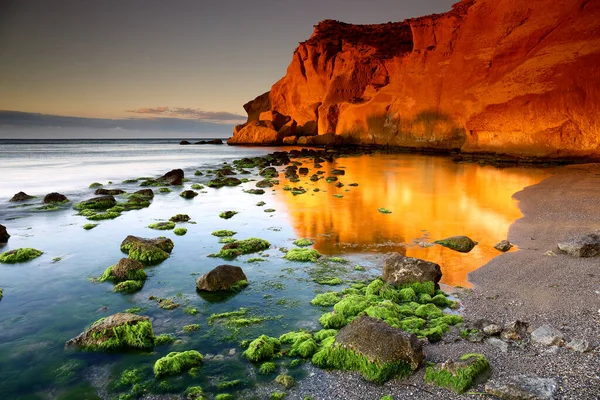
x=303, y=242
x=19, y=255
x=227, y=214
x=130, y=286
x=458, y=376
x=87, y=227
x=262, y=348
x=326, y=299
x=180, y=231
x=163, y=339
x=147, y=254
x=384, y=210
x=194, y=392
x=223, y=233
x=107, y=334
x=267, y=368
x=191, y=328
x=162, y=226
x=240, y=247
x=302, y=254
x=285, y=380
x=177, y=362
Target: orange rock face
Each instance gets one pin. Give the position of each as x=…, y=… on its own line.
x=503, y=76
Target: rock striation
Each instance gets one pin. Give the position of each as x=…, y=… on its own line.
x=503, y=76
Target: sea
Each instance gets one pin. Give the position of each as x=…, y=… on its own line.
x=48, y=300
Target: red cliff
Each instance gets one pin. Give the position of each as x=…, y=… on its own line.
x=504, y=76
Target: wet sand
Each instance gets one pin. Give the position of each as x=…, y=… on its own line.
x=530, y=285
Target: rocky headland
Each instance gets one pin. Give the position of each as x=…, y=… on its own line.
x=499, y=77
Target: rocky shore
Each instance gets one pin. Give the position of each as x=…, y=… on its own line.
x=538, y=285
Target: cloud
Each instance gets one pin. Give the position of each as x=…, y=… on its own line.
x=219, y=117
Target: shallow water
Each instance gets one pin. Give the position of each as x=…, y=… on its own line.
x=47, y=302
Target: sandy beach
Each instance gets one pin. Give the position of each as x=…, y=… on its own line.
x=537, y=284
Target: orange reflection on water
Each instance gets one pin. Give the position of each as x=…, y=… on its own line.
x=430, y=198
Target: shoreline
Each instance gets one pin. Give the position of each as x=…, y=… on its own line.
x=526, y=285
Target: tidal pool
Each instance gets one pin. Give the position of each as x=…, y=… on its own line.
x=51, y=299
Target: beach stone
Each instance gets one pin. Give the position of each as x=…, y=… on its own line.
x=98, y=334
x=264, y=184
x=380, y=342
x=268, y=172
x=289, y=140
x=580, y=345
x=173, y=177
x=221, y=278
x=492, y=330
x=587, y=245
x=3, y=234
x=163, y=243
x=503, y=246
x=124, y=266
x=55, y=198
x=148, y=193
x=184, y=142
x=398, y=270
x=547, y=336
x=515, y=330
x=461, y=244
x=522, y=387
x=112, y=192
x=21, y=196
x=497, y=343
x=188, y=194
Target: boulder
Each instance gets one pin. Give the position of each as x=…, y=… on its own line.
x=328, y=140
x=580, y=345
x=112, y=192
x=184, y=142
x=221, y=278
x=147, y=193
x=515, y=330
x=308, y=129
x=3, y=234
x=55, y=198
x=188, y=194
x=254, y=133
x=290, y=140
x=587, y=245
x=163, y=243
x=173, y=177
x=399, y=270
x=125, y=268
x=214, y=141
x=459, y=375
x=287, y=130
x=462, y=244
x=547, y=336
x=21, y=196
x=305, y=141
x=503, y=246
x=97, y=203
x=522, y=387
x=381, y=343
x=257, y=106
x=121, y=331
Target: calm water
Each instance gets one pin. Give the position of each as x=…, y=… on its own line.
x=47, y=302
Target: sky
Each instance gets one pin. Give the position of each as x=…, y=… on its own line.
x=181, y=59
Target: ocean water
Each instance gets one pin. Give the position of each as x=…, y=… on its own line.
x=52, y=298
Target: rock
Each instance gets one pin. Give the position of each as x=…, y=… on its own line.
x=164, y=244
x=475, y=337
x=55, y=198
x=497, y=343
x=21, y=196
x=173, y=177
x=188, y=194
x=290, y=140
x=580, y=345
x=398, y=270
x=97, y=203
x=221, y=278
x=587, y=245
x=112, y=192
x=459, y=375
x=492, y=330
x=462, y=244
x=547, y=336
x=522, y=387
x=268, y=172
x=379, y=342
x=515, y=330
x=125, y=267
x=121, y=331
x=146, y=193
x=305, y=141
x=180, y=218
x=254, y=133
x=278, y=120
x=3, y=234
x=184, y=142
x=503, y=246
x=214, y=141
x=264, y=184
x=288, y=130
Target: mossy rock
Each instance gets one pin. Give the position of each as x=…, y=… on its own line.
x=461, y=375
x=19, y=255
x=326, y=299
x=163, y=243
x=130, y=286
x=126, y=269
x=223, y=233
x=97, y=203
x=220, y=182
x=147, y=254
x=180, y=231
x=175, y=363
x=162, y=226
x=188, y=194
x=263, y=348
x=303, y=242
x=240, y=247
x=461, y=244
x=1, y=293
x=118, y=332
x=285, y=380
x=267, y=368
x=87, y=227
x=227, y=214
x=302, y=254
x=194, y=392
x=222, y=278
x=180, y=218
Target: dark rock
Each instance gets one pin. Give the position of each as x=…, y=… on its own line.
x=188, y=194
x=503, y=246
x=522, y=387
x=269, y=172
x=264, y=184
x=398, y=270
x=183, y=142
x=173, y=177
x=97, y=203
x=55, y=198
x=587, y=245
x=124, y=267
x=303, y=171
x=3, y=234
x=547, y=336
x=515, y=330
x=462, y=244
x=380, y=342
x=338, y=172
x=21, y=196
x=180, y=218
x=147, y=193
x=112, y=192
x=222, y=278
x=165, y=244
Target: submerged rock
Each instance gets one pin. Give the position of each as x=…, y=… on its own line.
x=112, y=192
x=503, y=246
x=522, y=387
x=127, y=269
x=147, y=251
x=399, y=270
x=97, y=203
x=145, y=193
x=55, y=197
x=177, y=362
x=222, y=278
x=188, y=194
x=121, y=331
x=19, y=255
x=587, y=245
x=462, y=244
x=173, y=177
x=3, y=234
x=21, y=196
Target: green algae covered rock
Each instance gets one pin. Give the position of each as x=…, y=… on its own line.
x=129, y=286
x=19, y=255
x=1, y=293
x=240, y=247
x=462, y=244
x=285, y=380
x=267, y=368
x=162, y=226
x=176, y=362
x=180, y=231
x=222, y=278
x=126, y=269
x=223, y=233
x=147, y=251
x=97, y=203
x=118, y=332
x=460, y=375
x=163, y=243
x=302, y=254
x=303, y=242
x=262, y=348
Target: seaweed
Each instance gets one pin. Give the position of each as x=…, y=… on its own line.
x=19, y=255
x=177, y=362
x=302, y=254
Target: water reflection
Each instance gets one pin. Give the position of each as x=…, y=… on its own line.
x=430, y=198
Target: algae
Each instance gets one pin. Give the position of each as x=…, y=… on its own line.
x=262, y=348
x=162, y=226
x=303, y=242
x=87, y=227
x=180, y=231
x=227, y=214
x=129, y=286
x=462, y=378
x=285, y=380
x=177, y=362
x=267, y=368
x=19, y=255
x=223, y=233
x=302, y=254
